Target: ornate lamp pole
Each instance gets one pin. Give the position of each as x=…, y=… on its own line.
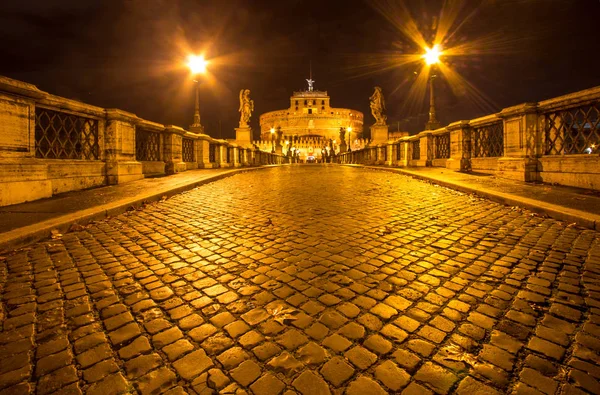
x=349, y=129
x=272, y=140
x=197, y=66
x=432, y=57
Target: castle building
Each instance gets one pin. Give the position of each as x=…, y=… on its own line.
x=310, y=125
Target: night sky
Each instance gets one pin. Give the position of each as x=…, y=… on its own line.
x=128, y=54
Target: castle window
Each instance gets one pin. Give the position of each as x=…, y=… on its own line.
x=305, y=102
x=310, y=110
x=296, y=108
x=322, y=107
x=296, y=102
x=323, y=102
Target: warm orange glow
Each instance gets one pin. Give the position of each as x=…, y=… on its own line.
x=350, y=129
x=197, y=64
x=432, y=55
x=272, y=130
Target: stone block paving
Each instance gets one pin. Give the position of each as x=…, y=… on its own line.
x=306, y=280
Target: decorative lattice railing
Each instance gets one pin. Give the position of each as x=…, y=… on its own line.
x=416, y=149
x=572, y=131
x=60, y=135
x=212, y=153
x=187, y=150
x=147, y=145
x=488, y=141
x=441, y=143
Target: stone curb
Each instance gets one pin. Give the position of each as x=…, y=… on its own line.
x=31, y=233
x=582, y=218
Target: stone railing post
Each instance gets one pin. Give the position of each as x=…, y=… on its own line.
x=426, y=149
x=22, y=177
x=522, y=143
x=221, y=155
x=390, y=151
x=119, y=147
x=173, y=136
x=246, y=158
x=460, y=146
x=404, y=152
x=203, y=157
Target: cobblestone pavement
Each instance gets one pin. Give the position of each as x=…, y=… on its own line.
x=310, y=280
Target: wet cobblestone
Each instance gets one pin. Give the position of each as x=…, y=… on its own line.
x=306, y=280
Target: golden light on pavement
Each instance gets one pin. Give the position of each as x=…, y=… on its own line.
x=197, y=64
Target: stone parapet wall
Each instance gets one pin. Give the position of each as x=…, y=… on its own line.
x=555, y=141
x=50, y=144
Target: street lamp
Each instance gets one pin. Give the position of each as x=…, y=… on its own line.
x=349, y=129
x=197, y=65
x=272, y=140
x=432, y=57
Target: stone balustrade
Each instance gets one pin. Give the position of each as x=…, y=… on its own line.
x=554, y=141
x=51, y=144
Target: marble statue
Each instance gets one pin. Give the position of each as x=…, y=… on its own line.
x=246, y=108
x=342, y=135
x=378, y=106
x=310, y=84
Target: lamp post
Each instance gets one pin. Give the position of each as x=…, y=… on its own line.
x=349, y=129
x=432, y=57
x=197, y=65
x=272, y=140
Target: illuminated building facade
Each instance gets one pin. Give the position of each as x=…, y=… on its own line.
x=310, y=125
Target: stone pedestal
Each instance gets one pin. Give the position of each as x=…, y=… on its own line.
x=204, y=153
x=243, y=137
x=22, y=177
x=198, y=129
x=403, y=146
x=119, y=139
x=222, y=156
x=391, y=153
x=379, y=134
x=522, y=143
x=173, y=150
x=425, y=147
x=460, y=155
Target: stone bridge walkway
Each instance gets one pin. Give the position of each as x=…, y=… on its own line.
x=310, y=280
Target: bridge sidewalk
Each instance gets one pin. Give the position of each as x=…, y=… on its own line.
x=27, y=222
x=573, y=205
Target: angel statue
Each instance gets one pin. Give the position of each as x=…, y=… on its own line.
x=378, y=106
x=246, y=107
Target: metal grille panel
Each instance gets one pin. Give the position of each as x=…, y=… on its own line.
x=187, y=150
x=488, y=141
x=147, y=145
x=212, y=153
x=416, y=149
x=59, y=135
x=442, y=146
x=572, y=131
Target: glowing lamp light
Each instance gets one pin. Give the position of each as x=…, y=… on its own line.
x=432, y=55
x=350, y=129
x=197, y=64
x=272, y=130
